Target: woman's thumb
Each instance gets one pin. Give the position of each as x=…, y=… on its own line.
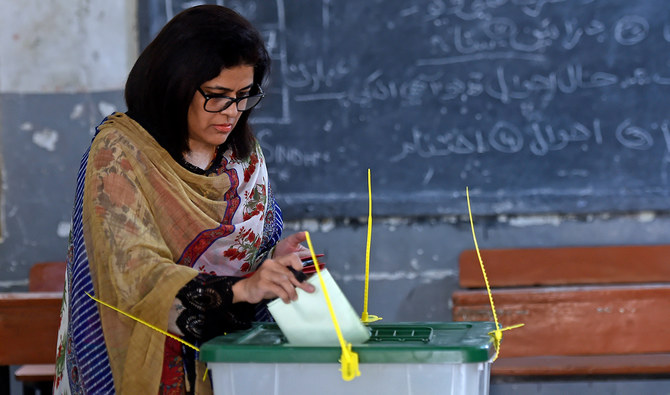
x=295, y=239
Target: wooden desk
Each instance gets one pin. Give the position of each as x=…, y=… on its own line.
x=28, y=330
x=598, y=310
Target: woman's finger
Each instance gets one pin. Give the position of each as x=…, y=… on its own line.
x=290, y=244
x=281, y=280
x=284, y=261
x=307, y=287
x=271, y=286
x=280, y=292
x=295, y=239
x=290, y=280
x=289, y=289
x=304, y=285
x=274, y=279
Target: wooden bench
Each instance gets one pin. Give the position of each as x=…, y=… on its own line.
x=587, y=310
x=29, y=327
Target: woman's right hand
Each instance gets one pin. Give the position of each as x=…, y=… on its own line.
x=273, y=279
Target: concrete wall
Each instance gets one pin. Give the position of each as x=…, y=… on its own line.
x=60, y=46
x=63, y=64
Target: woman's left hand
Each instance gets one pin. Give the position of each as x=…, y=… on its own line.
x=291, y=245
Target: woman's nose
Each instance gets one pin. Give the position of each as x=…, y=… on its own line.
x=231, y=110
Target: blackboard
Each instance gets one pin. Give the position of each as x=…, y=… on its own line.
x=539, y=106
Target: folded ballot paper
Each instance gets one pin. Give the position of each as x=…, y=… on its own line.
x=307, y=321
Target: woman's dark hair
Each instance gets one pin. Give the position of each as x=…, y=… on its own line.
x=191, y=49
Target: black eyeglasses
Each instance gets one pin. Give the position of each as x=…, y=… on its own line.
x=218, y=103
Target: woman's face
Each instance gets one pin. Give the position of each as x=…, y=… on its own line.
x=208, y=130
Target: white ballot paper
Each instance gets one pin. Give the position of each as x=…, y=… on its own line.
x=307, y=321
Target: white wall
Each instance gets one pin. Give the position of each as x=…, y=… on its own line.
x=60, y=46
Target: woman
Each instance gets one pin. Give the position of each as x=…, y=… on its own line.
x=174, y=215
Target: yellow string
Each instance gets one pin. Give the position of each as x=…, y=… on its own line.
x=497, y=333
x=144, y=322
x=365, y=317
x=348, y=359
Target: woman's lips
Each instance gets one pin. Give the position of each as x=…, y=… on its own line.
x=224, y=128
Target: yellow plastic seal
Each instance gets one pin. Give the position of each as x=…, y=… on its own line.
x=348, y=359
x=365, y=317
x=497, y=334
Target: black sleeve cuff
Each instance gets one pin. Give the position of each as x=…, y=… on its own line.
x=209, y=308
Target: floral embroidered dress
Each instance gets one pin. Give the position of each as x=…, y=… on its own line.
x=143, y=228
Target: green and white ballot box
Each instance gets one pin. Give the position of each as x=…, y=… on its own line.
x=399, y=358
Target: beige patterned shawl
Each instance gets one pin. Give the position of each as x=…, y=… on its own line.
x=142, y=213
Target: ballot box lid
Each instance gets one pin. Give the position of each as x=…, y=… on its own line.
x=405, y=342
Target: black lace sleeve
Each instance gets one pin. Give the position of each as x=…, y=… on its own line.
x=209, y=310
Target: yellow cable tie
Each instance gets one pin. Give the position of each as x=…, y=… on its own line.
x=496, y=334
x=349, y=363
x=365, y=317
x=348, y=359
x=368, y=318
x=511, y=327
x=145, y=323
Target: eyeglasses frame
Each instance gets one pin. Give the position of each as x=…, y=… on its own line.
x=232, y=100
